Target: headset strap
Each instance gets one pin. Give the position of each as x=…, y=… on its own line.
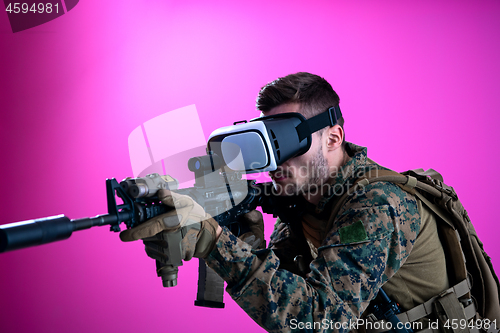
x=328, y=118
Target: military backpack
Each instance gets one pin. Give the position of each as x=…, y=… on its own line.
x=472, y=304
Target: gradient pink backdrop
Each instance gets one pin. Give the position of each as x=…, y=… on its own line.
x=418, y=83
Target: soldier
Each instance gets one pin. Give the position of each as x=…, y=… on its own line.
x=320, y=271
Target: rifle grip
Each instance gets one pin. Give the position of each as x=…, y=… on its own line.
x=210, y=288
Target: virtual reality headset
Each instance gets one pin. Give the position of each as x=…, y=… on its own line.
x=264, y=143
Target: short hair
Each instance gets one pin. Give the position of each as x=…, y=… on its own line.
x=312, y=92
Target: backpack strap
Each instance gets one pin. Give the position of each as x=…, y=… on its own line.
x=408, y=183
x=430, y=173
x=436, y=209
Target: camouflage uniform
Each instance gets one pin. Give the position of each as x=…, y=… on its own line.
x=371, y=238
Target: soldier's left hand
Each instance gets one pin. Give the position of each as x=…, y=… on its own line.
x=254, y=237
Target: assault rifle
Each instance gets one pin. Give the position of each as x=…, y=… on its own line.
x=221, y=192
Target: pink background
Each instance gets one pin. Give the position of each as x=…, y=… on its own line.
x=418, y=83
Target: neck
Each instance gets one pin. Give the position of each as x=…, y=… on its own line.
x=316, y=197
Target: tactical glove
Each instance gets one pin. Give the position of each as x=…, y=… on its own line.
x=187, y=224
x=254, y=237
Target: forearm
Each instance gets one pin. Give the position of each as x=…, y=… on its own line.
x=273, y=297
x=344, y=278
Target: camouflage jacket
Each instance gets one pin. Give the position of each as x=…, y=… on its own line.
x=371, y=238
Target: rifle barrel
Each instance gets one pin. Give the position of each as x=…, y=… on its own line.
x=19, y=235
x=23, y=234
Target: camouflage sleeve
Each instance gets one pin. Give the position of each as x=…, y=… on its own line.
x=372, y=237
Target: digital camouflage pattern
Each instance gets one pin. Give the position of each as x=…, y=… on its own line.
x=371, y=238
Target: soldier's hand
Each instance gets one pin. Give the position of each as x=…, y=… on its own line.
x=255, y=237
x=197, y=229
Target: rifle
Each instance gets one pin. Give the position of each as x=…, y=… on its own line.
x=220, y=191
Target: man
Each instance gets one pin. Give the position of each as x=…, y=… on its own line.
x=318, y=269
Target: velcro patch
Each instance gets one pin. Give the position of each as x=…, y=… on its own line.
x=353, y=233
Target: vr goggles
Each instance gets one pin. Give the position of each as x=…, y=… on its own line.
x=264, y=143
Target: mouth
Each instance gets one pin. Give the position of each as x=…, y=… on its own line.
x=280, y=178
x=279, y=175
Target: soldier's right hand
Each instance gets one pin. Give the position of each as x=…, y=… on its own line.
x=197, y=229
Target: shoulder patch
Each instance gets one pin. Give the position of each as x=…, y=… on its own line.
x=353, y=233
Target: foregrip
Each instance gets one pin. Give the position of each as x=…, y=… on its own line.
x=172, y=251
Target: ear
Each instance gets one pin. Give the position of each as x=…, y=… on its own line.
x=334, y=134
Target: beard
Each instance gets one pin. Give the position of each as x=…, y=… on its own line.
x=317, y=172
